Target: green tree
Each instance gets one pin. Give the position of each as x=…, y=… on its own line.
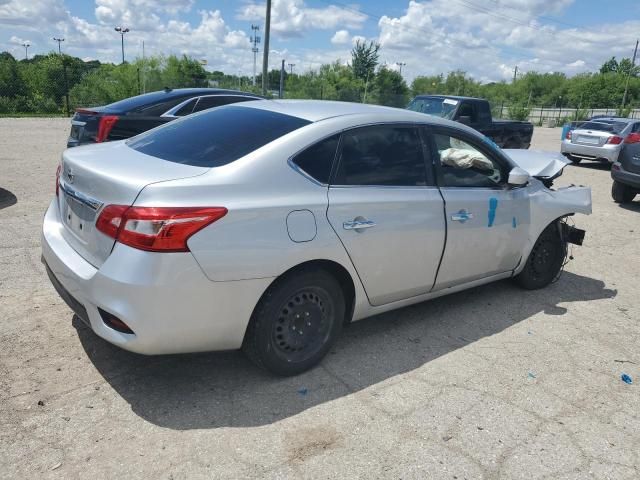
x=11, y=83
x=364, y=59
x=390, y=88
x=609, y=66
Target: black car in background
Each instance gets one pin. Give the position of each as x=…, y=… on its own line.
x=131, y=116
x=476, y=113
x=626, y=171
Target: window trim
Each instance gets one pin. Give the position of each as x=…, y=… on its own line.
x=476, y=143
x=431, y=181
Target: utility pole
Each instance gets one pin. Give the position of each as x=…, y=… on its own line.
x=64, y=73
x=26, y=46
x=122, y=30
x=281, y=93
x=401, y=64
x=59, y=40
x=265, y=53
x=515, y=74
x=626, y=86
x=144, y=71
x=291, y=65
x=255, y=39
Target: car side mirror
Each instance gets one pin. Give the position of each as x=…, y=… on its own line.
x=465, y=119
x=518, y=177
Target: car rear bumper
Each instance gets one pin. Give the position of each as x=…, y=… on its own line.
x=165, y=298
x=589, y=152
x=627, y=178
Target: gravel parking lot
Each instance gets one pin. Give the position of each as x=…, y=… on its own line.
x=495, y=382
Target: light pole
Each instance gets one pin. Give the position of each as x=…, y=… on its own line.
x=26, y=46
x=265, y=50
x=401, y=64
x=291, y=65
x=255, y=39
x=122, y=30
x=59, y=40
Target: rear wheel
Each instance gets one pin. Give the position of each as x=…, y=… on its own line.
x=545, y=260
x=296, y=322
x=621, y=193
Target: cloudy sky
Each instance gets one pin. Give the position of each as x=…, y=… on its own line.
x=487, y=38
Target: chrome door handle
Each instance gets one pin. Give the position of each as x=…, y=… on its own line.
x=358, y=224
x=461, y=216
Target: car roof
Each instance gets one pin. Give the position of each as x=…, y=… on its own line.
x=151, y=98
x=613, y=119
x=455, y=97
x=318, y=110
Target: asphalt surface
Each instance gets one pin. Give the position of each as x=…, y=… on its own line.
x=491, y=383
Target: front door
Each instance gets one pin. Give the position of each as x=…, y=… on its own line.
x=487, y=221
x=387, y=211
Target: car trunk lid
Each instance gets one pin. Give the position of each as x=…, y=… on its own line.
x=95, y=176
x=593, y=138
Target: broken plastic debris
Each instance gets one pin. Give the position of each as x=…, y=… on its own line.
x=303, y=391
x=626, y=379
x=531, y=375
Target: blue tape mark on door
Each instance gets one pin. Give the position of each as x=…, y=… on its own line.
x=493, y=206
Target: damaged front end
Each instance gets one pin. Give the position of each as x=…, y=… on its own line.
x=545, y=166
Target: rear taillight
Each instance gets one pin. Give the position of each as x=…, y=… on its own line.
x=632, y=138
x=568, y=135
x=156, y=229
x=615, y=140
x=105, y=125
x=58, y=180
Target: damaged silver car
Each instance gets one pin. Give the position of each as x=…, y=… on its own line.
x=268, y=225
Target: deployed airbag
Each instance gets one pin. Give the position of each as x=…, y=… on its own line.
x=463, y=158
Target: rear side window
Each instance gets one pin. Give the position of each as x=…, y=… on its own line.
x=215, y=137
x=382, y=155
x=186, y=109
x=219, y=100
x=604, y=126
x=316, y=161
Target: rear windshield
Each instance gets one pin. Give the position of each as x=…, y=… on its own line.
x=215, y=137
x=604, y=126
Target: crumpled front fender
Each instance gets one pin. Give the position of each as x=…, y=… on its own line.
x=549, y=205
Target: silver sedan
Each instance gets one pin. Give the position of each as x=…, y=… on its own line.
x=600, y=139
x=269, y=225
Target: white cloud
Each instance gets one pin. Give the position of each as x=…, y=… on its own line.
x=358, y=38
x=341, y=37
x=31, y=14
x=488, y=41
x=292, y=18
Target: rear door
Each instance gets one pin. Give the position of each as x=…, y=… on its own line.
x=487, y=222
x=387, y=211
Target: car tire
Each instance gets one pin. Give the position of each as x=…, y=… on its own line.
x=545, y=260
x=621, y=193
x=296, y=322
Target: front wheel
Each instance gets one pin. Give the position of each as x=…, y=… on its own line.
x=621, y=193
x=296, y=322
x=545, y=260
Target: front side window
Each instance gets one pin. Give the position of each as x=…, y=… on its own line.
x=381, y=155
x=316, y=161
x=463, y=165
x=215, y=137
